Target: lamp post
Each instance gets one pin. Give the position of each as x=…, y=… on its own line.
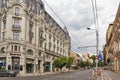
x=96, y=45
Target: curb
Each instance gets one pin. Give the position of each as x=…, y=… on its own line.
x=46, y=73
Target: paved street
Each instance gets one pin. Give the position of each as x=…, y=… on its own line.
x=77, y=75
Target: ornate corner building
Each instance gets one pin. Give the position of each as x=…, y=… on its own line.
x=30, y=39
x=112, y=47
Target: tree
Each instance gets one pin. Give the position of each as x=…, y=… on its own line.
x=69, y=62
x=63, y=62
x=93, y=57
x=60, y=62
x=56, y=63
x=85, y=64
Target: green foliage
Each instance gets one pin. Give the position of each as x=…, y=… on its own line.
x=69, y=62
x=63, y=61
x=93, y=57
x=60, y=62
x=101, y=64
x=56, y=63
x=85, y=64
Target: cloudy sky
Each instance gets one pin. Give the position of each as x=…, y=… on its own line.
x=78, y=15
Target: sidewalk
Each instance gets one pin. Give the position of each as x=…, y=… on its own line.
x=109, y=75
x=45, y=73
x=37, y=74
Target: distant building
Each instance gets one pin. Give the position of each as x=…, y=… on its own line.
x=30, y=39
x=86, y=57
x=76, y=61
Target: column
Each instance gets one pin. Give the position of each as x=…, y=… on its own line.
x=117, y=65
x=22, y=65
x=8, y=62
x=51, y=66
x=41, y=67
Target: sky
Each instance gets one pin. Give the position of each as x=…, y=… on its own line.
x=77, y=15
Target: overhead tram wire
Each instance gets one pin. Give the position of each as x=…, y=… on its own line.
x=58, y=18
x=96, y=15
x=97, y=21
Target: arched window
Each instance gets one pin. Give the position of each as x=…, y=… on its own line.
x=3, y=50
x=30, y=52
x=17, y=11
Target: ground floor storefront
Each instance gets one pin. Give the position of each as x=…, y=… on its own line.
x=23, y=65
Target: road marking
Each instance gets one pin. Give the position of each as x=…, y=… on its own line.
x=108, y=77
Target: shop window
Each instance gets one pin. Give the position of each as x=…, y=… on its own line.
x=21, y=67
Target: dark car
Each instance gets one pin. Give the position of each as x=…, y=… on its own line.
x=7, y=73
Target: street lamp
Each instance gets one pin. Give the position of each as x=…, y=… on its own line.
x=96, y=45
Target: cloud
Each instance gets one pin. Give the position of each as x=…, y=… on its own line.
x=78, y=15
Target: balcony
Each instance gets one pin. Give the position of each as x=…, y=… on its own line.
x=16, y=28
x=117, y=53
x=41, y=39
x=52, y=53
x=30, y=33
x=17, y=16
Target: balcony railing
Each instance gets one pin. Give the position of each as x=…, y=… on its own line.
x=16, y=28
x=41, y=39
x=52, y=52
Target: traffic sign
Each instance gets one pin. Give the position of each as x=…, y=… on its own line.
x=97, y=57
x=100, y=57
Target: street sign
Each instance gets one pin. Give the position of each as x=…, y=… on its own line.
x=97, y=57
x=100, y=57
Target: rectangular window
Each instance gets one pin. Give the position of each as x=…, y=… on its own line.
x=4, y=24
x=16, y=23
x=15, y=47
x=30, y=40
x=17, y=11
x=3, y=36
x=19, y=48
x=12, y=48
x=15, y=36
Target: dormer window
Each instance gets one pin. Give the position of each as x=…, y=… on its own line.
x=17, y=11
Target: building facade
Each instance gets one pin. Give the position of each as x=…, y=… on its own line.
x=76, y=61
x=30, y=39
x=112, y=48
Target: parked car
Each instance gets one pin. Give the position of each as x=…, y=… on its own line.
x=7, y=73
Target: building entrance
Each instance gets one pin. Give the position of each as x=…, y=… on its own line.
x=15, y=63
x=47, y=67
x=29, y=68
